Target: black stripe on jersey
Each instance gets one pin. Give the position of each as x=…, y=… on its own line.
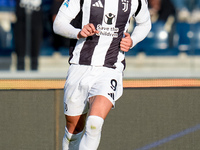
x=113, y=51
x=139, y=7
x=96, y=17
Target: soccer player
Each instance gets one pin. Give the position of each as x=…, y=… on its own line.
x=97, y=61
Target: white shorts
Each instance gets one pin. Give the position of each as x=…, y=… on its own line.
x=83, y=82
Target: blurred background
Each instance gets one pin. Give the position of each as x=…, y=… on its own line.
x=30, y=49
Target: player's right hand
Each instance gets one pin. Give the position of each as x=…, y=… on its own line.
x=88, y=30
x=126, y=42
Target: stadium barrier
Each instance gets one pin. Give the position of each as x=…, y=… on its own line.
x=152, y=113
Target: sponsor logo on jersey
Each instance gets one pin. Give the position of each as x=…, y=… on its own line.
x=125, y=3
x=98, y=4
x=66, y=3
x=109, y=18
x=107, y=31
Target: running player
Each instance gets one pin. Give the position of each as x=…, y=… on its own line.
x=97, y=61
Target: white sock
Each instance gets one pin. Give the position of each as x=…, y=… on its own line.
x=71, y=141
x=91, y=138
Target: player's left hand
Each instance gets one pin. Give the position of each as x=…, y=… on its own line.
x=126, y=42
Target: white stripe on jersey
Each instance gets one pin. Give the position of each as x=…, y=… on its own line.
x=86, y=12
x=76, y=53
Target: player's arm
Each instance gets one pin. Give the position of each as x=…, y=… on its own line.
x=143, y=24
x=66, y=13
x=140, y=31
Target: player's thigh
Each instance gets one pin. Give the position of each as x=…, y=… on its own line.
x=100, y=106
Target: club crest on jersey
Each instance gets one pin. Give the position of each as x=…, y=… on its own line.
x=109, y=18
x=125, y=3
x=66, y=3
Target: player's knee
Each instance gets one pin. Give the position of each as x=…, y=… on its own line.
x=94, y=125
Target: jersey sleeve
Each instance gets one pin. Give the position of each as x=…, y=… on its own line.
x=143, y=12
x=143, y=23
x=67, y=12
x=70, y=8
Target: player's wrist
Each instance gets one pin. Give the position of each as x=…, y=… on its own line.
x=78, y=35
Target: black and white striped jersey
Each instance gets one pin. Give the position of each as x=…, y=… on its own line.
x=111, y=19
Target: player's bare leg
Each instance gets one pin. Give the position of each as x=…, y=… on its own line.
x=75, y=124
x=99, y=106
x=73, y=131
x=99, y=109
